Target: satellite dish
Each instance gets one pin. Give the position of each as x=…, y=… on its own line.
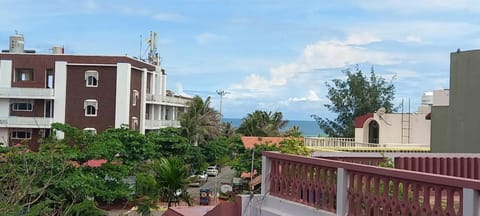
x=381, y=111
x=226, y=188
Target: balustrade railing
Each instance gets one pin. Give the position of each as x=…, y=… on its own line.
x=17, y=121
x=355, y=189
x=465, y=167
x=157, y=124
x=334, y=142
x=15, y=92
x=167, y=99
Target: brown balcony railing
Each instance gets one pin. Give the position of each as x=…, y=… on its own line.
x=348, y=188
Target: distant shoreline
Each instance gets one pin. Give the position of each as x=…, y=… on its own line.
x=308, y=128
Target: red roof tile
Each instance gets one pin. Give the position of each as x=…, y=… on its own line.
x=95, y=163
x=250, y=141
x=246, y=175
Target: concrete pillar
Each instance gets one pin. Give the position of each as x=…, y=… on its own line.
x=60, y=94
x=143, y=103
x=266, y=167
x=471, y=201
x=122, y=99
x=342, y=193
x=5, y=73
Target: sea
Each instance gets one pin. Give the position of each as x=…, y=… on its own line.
x=308, y=128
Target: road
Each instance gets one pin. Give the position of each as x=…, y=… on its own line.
x=225, y=175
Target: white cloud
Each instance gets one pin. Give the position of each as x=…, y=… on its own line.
x=420, y=6
x=180, y=90
x=411, y=39
x=311, y=97
x=400, y=73
x=362, y=38
x=90, y=5
x=207, y=37
x=169, y=17
x=321, y=55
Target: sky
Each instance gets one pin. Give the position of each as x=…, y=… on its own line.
x=272, y=55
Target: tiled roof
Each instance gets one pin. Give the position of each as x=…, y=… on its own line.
x=95, y=163
x=250, y=141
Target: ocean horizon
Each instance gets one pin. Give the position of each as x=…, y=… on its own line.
x=308, y=128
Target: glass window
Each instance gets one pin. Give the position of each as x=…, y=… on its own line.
x=22, y=106
x=91, y=131
x=21, y=134
x=91, y=78
x=135, y=96
x=91, y=107
x=23, y=74
x=134, y=123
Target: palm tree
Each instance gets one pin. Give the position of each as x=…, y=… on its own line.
x=201, y=122
x=172, y=178
x=262, y=123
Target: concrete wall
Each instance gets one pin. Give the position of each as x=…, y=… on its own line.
x=5, y=73
x=439, y=130
x=390, y=129
x=4, y=138
x=464, y=118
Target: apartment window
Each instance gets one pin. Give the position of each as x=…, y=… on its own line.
x=134, y=123
x=135, y=96
x=91, y=78
x=23, y=74
x=91, y=131
x=91, y=107
x=21, y=134
x=22, y=106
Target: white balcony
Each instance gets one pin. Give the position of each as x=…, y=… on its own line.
x=157, y=124
x=167, y=100
x=27, y=93
x=25, y=122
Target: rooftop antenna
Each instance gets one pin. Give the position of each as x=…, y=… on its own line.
x=153, y=57
x=140, y=53
x=381, y=112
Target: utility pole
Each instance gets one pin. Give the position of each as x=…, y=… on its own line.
x=222, y=93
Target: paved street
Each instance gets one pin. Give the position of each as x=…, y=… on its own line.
x=225, y=175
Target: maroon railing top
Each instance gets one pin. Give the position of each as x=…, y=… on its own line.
x=460, y=166
x=396, y=173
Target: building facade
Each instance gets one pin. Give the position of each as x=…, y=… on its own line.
x=456, y=121
x=88, y=92
x=396, y=129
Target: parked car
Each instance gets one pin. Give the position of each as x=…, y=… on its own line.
x=194, y=181
x=198, y=179
x=212, y=171
x=203, y=176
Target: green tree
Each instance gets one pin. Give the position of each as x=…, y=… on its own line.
x=243, y=162
x=216, y=149
x=294, y=131
x=355, y=96
x=135, y=147
x=172, y=177
x=262, y=123
x=294, y=146
x=201, y=122
x=169, y=142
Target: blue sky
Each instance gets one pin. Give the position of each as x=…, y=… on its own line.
x=268, y=54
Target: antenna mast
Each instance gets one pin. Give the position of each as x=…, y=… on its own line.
x=153, y=57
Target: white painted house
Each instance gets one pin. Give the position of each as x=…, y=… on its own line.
x=396, y=129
